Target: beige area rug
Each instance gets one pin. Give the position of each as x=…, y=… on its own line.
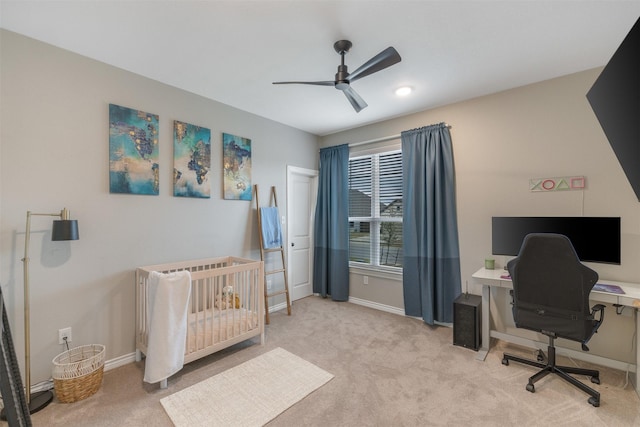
x=250, y=394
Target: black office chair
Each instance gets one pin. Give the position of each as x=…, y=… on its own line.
x=551, y=296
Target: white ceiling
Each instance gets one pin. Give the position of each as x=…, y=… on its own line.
x=231, y=51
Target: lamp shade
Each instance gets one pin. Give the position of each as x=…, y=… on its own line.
x=65, y=229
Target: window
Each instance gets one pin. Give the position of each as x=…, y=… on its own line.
x=375, y=209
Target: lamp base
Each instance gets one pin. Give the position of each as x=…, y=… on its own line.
x=39, y=401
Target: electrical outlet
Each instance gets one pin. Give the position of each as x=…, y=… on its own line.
x=365, y=280
x=64, y=333
x=269, y=285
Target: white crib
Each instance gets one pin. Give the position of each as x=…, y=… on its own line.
x=226, y=305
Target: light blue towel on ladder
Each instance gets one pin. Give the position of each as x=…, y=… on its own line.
x=271, y=231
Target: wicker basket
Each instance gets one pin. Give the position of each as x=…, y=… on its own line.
x=77, y=373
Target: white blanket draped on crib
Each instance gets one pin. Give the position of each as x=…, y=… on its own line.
x=167, y=319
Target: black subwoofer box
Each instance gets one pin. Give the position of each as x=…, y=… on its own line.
x=466, y=321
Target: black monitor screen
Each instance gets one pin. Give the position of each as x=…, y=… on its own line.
x=595, y=239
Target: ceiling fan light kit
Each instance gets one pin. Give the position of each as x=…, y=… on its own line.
x=343, y=79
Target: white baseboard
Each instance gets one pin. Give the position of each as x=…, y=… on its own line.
x=277, y=307
x=42, y=386
x=108, y=365
x=119, y=361
x=377, y=306
x=391, y=309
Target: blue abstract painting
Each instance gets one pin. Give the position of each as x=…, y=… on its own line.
x=191, y=160
x=237, y=167
x=133, y=151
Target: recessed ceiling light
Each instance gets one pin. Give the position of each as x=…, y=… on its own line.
x=403, y=91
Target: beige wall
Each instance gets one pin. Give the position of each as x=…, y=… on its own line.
x=502, y=140
x=54, y=154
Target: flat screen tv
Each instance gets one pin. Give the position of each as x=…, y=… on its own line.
x=595, y=239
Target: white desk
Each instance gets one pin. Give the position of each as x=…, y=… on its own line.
x=492, y=278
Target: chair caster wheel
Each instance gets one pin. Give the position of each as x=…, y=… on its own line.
x=531, y=388
x=505, y=362
x=594, y=401
x=595, y=380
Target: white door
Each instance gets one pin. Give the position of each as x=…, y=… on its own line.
x=301, y=203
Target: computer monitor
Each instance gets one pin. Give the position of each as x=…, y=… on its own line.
x=595, y=239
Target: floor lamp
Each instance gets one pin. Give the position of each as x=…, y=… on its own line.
x=63, y=229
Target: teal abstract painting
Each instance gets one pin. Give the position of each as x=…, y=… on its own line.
x=237, y=167
x=133, y=151
x=191, y=160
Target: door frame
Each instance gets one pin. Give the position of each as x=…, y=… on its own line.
x=313, y=175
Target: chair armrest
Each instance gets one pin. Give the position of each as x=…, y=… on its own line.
x=599, y=309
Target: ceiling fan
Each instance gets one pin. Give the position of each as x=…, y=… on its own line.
x=343, y=79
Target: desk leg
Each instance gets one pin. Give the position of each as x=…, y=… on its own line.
x=636, y=313
x=485, y=337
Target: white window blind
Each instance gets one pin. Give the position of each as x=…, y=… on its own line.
x=375, y=209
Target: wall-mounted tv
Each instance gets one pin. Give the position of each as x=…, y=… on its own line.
x=595, y=239
x=615, y=100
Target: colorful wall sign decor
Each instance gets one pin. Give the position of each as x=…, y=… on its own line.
x=564, y=183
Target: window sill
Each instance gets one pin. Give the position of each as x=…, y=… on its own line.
x=388, y=273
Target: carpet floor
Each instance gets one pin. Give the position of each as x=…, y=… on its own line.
x=389, y=371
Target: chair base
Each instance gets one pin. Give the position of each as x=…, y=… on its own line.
x=549, y=366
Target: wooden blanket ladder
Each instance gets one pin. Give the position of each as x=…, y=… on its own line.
x=268, y=293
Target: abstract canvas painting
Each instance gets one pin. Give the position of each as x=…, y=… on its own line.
x=237, y=167
x=133, y=151
x=191, y=160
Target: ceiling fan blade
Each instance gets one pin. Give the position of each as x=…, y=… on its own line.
x=356, y=100
x=325, y=83
x=384, y=59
